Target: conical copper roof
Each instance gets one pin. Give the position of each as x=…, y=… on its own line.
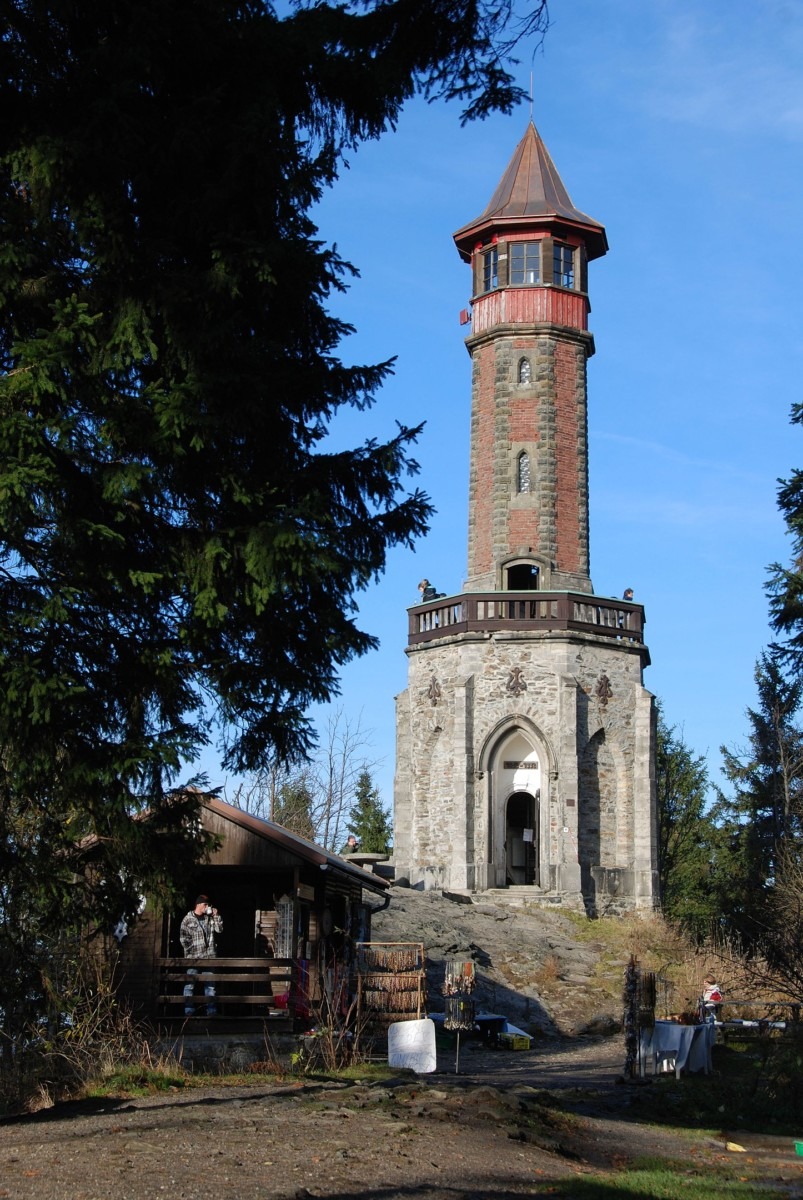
x=531, y=192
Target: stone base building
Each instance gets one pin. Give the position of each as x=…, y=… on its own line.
x=525, y=737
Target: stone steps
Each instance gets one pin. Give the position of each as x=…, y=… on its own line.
x=516, y=896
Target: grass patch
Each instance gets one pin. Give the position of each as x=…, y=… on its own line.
x=742, y=1093
x=366, y=1072
x=143, y=1080
x=548, y=975
x=139, y=1081
x=657, y=946
x=656, y=1180
x=132, y=1081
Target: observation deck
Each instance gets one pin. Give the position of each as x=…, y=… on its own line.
x=487, y=613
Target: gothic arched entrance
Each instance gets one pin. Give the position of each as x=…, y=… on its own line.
x=515, y=803
x=522, y=840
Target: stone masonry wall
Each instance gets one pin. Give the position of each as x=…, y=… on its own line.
x=579, y=700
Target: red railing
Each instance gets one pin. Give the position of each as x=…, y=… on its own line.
x=528, y=306
x=488, y=612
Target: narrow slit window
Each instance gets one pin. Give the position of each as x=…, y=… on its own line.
x=525, y=371
x=523, y=472
x=490, y=270
x=563, y=272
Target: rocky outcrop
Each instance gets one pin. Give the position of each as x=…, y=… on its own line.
x=531, y=966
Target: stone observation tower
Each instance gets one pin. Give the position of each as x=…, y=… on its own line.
x=525, y=737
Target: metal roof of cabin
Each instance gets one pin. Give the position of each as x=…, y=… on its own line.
x=294, y=844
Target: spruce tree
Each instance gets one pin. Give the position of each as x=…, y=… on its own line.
x=761, y=820
x=368, y=820
x=685, y=833
x=293, y=808
x=785, y=585
x=181, y=546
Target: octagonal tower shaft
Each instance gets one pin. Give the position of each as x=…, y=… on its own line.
x=529, y=343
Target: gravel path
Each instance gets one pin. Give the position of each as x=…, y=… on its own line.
x=490, y=1132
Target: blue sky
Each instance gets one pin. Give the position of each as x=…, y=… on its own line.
x=680, y=128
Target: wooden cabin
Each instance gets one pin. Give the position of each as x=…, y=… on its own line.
x=292, y=914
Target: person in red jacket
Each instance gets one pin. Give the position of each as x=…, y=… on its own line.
x=712, y=995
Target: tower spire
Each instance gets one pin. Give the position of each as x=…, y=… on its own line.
x=532, y=194
x=528, y=504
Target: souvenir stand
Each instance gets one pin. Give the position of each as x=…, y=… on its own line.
x=390, y=983
x=639, y=1014
x=458, y=988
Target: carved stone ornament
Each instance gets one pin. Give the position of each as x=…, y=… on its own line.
x=434, y=691
x=604, y=690
x=515, y=682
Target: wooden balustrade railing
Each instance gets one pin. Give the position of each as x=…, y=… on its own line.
x=488, y=612
x=243, y=986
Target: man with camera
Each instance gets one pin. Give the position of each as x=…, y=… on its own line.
x=198, y=931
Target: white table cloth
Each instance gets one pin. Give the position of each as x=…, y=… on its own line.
x=678, y=1047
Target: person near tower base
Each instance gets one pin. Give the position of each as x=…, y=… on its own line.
x=712, y=996
x=197, y=935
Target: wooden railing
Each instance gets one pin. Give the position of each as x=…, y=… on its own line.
x=244, y=987
x=489, y=612
x=749, y=1019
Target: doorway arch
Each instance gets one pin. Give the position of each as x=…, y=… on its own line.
x=523, y=577
x=522, y=839
x=512, y=756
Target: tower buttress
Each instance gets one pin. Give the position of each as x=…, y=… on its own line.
x=529, y=343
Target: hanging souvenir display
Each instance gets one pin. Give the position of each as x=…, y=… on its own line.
x=390, y=981
x=458, y=985
x=285, y=942
x=646, y=1000
x=396, y=959
x=459, y=978
x=630, y=999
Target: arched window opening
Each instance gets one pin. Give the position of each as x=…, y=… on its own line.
x=525, y=371
x=523, y=577
x=523, y=472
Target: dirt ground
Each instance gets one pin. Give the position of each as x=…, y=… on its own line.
x=493, y=1130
